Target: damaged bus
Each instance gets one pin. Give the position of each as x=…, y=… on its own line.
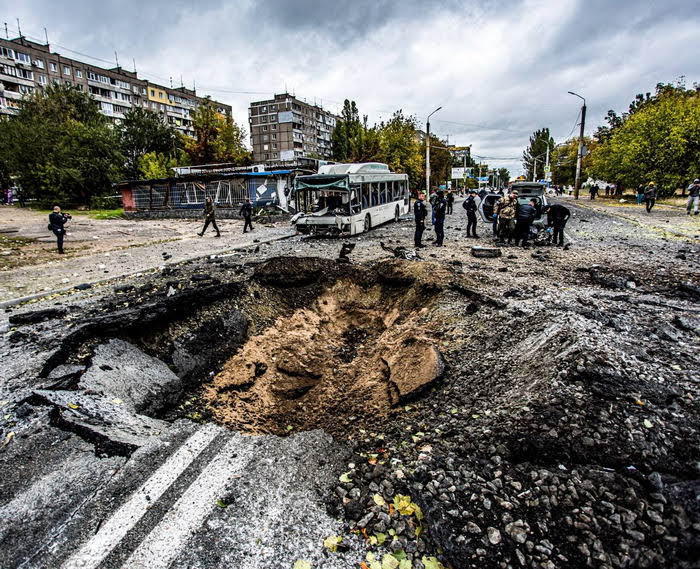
x=347, y=199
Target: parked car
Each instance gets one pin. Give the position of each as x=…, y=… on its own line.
x=526, y=192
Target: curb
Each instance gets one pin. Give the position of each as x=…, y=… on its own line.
x=35, y=296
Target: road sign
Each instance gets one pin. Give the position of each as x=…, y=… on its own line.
x=459, y=173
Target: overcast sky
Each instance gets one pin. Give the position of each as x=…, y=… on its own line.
x=499, y=69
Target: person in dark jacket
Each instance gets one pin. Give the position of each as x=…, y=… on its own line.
x=209, y=217
x=450, y=202
x=247, y=213
x=557, y=216
x=57, y=221
x=439, y=210
x=526, y=215
x=650, y=196
x=420, y=212
x=470, y=206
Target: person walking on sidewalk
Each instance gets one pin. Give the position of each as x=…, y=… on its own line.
x=470, y=205
x=247, y=213
x=650, y=196
x=693, y=197
x=420, y=212
x=57, y=220
x=439, y=210
x=209, y=217
x=450, y=201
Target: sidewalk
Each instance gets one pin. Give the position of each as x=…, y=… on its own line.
x=671, y=221
x=136, y=256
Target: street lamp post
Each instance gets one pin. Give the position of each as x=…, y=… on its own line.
x=427, y=153
x=579, y=159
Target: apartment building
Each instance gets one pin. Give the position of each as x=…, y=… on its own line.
x=286, y=128
x=26, y=65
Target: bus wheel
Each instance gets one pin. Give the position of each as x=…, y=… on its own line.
x=368, y=223
x=397, y=214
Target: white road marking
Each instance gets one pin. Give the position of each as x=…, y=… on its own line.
x=93, y=552
x=166, y=540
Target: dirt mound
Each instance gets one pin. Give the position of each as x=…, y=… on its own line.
x=353, y=353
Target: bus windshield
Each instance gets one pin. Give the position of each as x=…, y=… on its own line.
x=323, y=202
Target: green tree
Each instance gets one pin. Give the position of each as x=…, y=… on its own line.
x=399, y=146
x=658, y=141
x=217, y=138
x=534, y=155
x=141, y=132
x=60, y=147
x=503, y=176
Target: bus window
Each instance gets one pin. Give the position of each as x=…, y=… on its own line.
x=382, y=193
x=374, y=194
x=396, y=190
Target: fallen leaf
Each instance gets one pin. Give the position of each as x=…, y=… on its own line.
x=8, y=438
x=74, y=406
x=331, y=543
x=221, y=504
x=379, y=500
x=345, y=477
x=648, y=424
x=301, y=564
x=389, y=562
x=431, y=563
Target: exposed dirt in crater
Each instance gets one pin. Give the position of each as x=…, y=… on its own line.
x=355, y=352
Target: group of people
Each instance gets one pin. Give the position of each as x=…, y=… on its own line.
x=246, y=212
x=512, y=221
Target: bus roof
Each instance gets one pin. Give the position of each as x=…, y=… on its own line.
x=359, y=168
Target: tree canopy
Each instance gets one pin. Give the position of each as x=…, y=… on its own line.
x=657, y=140
x=395, y=142
x=142, y=132
x=217, y=138
x=60, y=147
x=535, y=154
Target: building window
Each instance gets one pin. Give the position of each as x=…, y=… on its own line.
x=264, y=128
x=24, y=74
x=66, y=70
x=22, y=57
x=42, y=80
x=7, y=53
x=153, y=94
x=144, y=90
x=53, y=67
x=39, y=63
x=161, y=96
x=79, y=74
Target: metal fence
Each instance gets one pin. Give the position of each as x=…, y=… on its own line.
x=230, y=192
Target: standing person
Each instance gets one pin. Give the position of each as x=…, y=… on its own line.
x=640, y=194
x=526, y=215
x=209, y=217
x=607, y=190
x=557, y=216
x=693, y=197
x=432, y=200
x=470, y=206
x=506, y=209
x=57, y=220
x=420, y=212
x=650, y=196
x=450, y=201
x=439, y=210
x=247, y=213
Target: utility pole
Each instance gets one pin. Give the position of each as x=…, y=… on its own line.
x=427, y=153
x=577, y=183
